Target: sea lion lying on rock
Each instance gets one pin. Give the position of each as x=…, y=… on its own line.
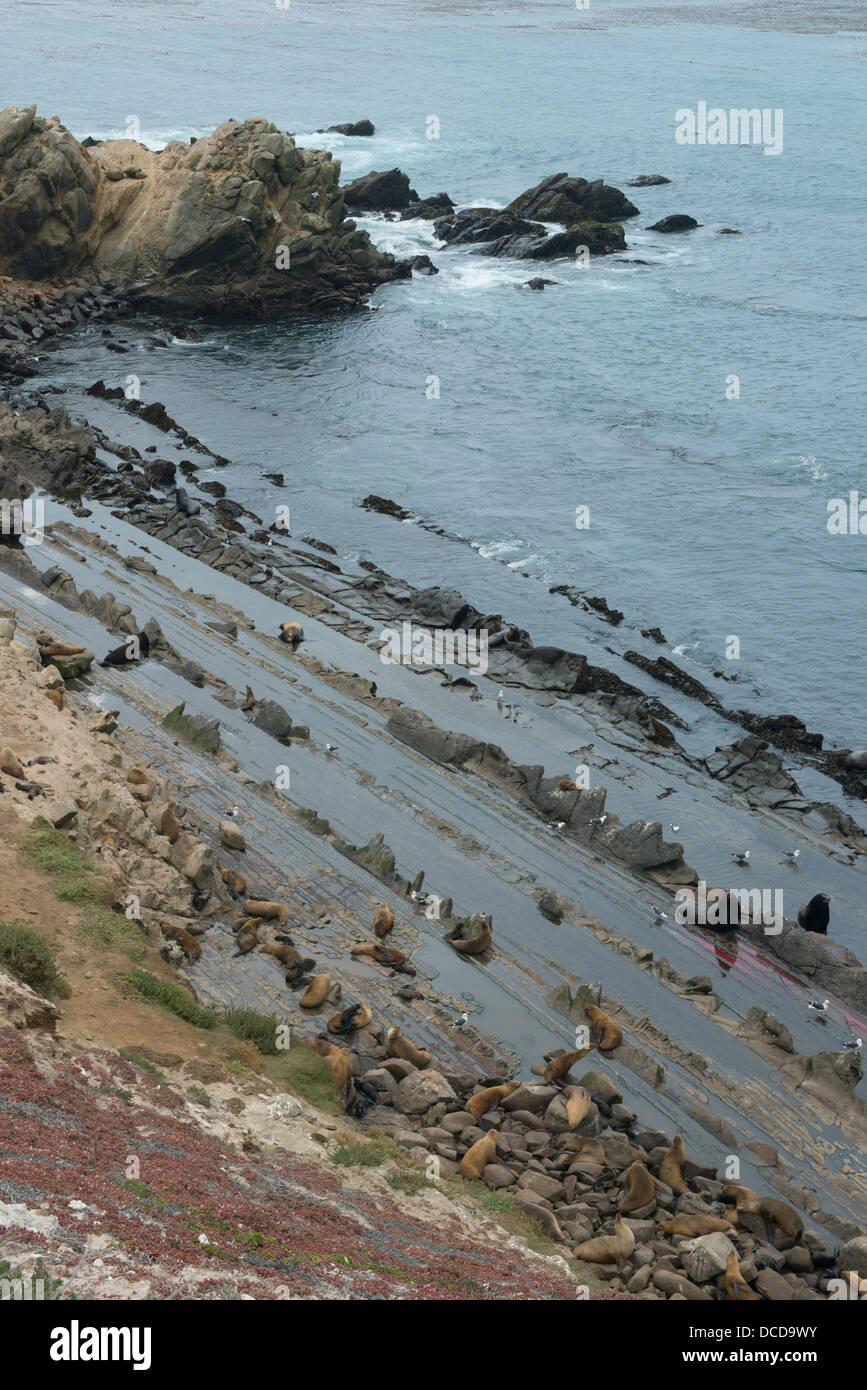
x=353, y=1016
x=235, y=882
x=383, y=955
x=604, y=1031
x=478, y=942
x=135, y=648
x=286, y=954
x=399, y=1046
x=187, y=942
x=254, y=907
x=316, y=993
x=816, y=915
x=779, y=1218
x=694, y=1225
x=483, y=1101
x=10, y=763
x=608, y=1250
x=579, y=1103
x=293, y=633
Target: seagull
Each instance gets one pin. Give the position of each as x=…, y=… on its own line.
x=789, y=856
x=557, y=827
x=419, y=897
x=853, y=1044
x=331, y=747
x=659, y=914
x=741, y=856
x=597, y=822
x=462, y=1021
x=501, y=694
x=818, y=1008
x=675, y=828
x=234, y=812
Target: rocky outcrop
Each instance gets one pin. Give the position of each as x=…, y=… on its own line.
x=677, y=222
x=560, y=198
x=505, y=233
x=387, y=191
x=241, y=223
x=647, y=181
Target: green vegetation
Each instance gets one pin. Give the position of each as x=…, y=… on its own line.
x=303, y=1071
x=129, y=1055
x=250, y=1026
x=410, y=1181
x=170, y=997
x=357, y=1155
x=31, y=958
x=100, y=924
x=49, y=851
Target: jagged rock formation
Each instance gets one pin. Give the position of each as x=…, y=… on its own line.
x=242, y=222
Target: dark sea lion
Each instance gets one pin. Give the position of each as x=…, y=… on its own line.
x=816, y=915
x=134, y=649
x=353, y=1016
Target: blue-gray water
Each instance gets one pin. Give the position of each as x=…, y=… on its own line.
x=708, y=515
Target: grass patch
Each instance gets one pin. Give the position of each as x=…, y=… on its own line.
x=107, y=928
x=352, y=1154
x=249, y=1026
x=248, y=1054
x=129, y=1055
x=308, y=1075
x=75, y=880
x=30, y=957
x=410, y=1181
x=170, y=997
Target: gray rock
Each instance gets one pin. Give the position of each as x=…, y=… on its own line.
x=420, y=1090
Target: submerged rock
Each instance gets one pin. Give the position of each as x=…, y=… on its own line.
x=647, y=181
x=352, y=128
x=677, y=222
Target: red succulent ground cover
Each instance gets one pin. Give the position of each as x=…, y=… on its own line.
x=276, y=1225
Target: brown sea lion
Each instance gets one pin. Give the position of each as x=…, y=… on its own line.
x=383, y=955
x=483, y=1101
x=49, y=648
x=604, y=1030
x=56, y=697
x=187, y=942
x=567, y=785
x=287, y=954
x=477, y=1158
x=579, y=1103
x=558, y=1067
x=293, y=633
x=399, y=1046
x=249, y=700
x=736, y=1286
x=694, y=1225
x=778, y=1217
x=343, y=1064
x=640, y=1188
x=585, y=1150
x=353, y=1016
x=474, y=945
x=383, y=921
x=235, y=882
x=247, y=938
x=737, y=1193
x=671, y=1167
x=608, y=1250
x=10, y=763
x=254, y=907
x=316, y=992
x=169, y=824
x=136, y=776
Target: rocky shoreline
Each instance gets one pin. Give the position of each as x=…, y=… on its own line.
x=621, y=1196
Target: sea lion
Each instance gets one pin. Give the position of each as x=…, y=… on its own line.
x=558, y=1067
x=604, y=1030
x=383, y=920
x=56, y=697
x=353, y=1016
x=235, y=882
x=316, y=992
x=608, y=1250
x=247, y=938
x=694, y=1225
x=136, y=776
x=383, y=955
x=399, y=1046
x=640, y=1188
x=49, y=648
x=585, y=1150
x=187, y=942
x=816, y=915
x=477, y=1158
x=136, y=648
x=169, y=824
x=671, y=1167
x=186, y=504
x=343, y=1064
x=579, y=1103
x=737, y=1193
x=474, y=945
x=249, y=700
x=254, y=907
x=287, y=954
x=736, y=1286
x=483, y=1101
x=293, y=633
x=778, y=1217
x=10, y=763
x=567, y=785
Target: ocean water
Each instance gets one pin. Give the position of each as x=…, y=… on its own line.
x=707, y=515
